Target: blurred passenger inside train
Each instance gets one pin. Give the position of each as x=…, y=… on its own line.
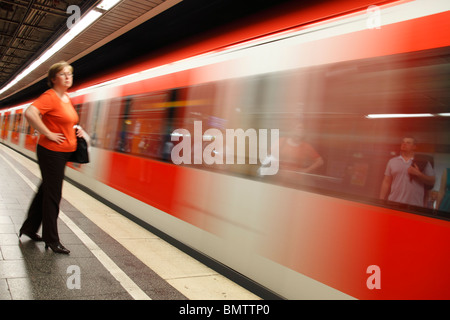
x=407, y=179
x=297, y=156
x=443, y=200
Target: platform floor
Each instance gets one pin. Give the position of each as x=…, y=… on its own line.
x=111, y=256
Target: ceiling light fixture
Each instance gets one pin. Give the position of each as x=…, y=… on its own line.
x=398, y=115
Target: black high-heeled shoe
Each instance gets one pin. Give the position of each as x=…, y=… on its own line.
x=57, y=248
x=32, y=236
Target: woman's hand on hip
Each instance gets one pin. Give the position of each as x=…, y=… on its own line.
x=56, y=137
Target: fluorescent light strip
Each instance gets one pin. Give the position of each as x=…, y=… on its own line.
x=398, y=115
x=107, y=4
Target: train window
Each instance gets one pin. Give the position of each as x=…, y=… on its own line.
x=141, y=123
x=112, y=124
x=353, y=116
x=92, y=123
x=202, y=110
x=5, y=126
x=17, y=122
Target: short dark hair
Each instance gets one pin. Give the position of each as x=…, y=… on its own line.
x=410, y=137
x=54, y=69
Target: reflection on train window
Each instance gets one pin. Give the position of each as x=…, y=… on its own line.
x=353, y=115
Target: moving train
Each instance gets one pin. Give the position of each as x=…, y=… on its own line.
x=180, y=141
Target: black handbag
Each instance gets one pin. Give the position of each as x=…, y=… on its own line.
x=81, y=155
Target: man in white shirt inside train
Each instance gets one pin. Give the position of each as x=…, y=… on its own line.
x=404, y=180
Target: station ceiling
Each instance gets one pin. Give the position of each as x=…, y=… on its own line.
x=28, y=28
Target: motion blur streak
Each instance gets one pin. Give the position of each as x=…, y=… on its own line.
x=342, y=95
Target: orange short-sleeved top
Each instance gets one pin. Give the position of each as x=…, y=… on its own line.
x=59, y=117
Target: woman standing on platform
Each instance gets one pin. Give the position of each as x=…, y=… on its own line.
x=54, y=117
